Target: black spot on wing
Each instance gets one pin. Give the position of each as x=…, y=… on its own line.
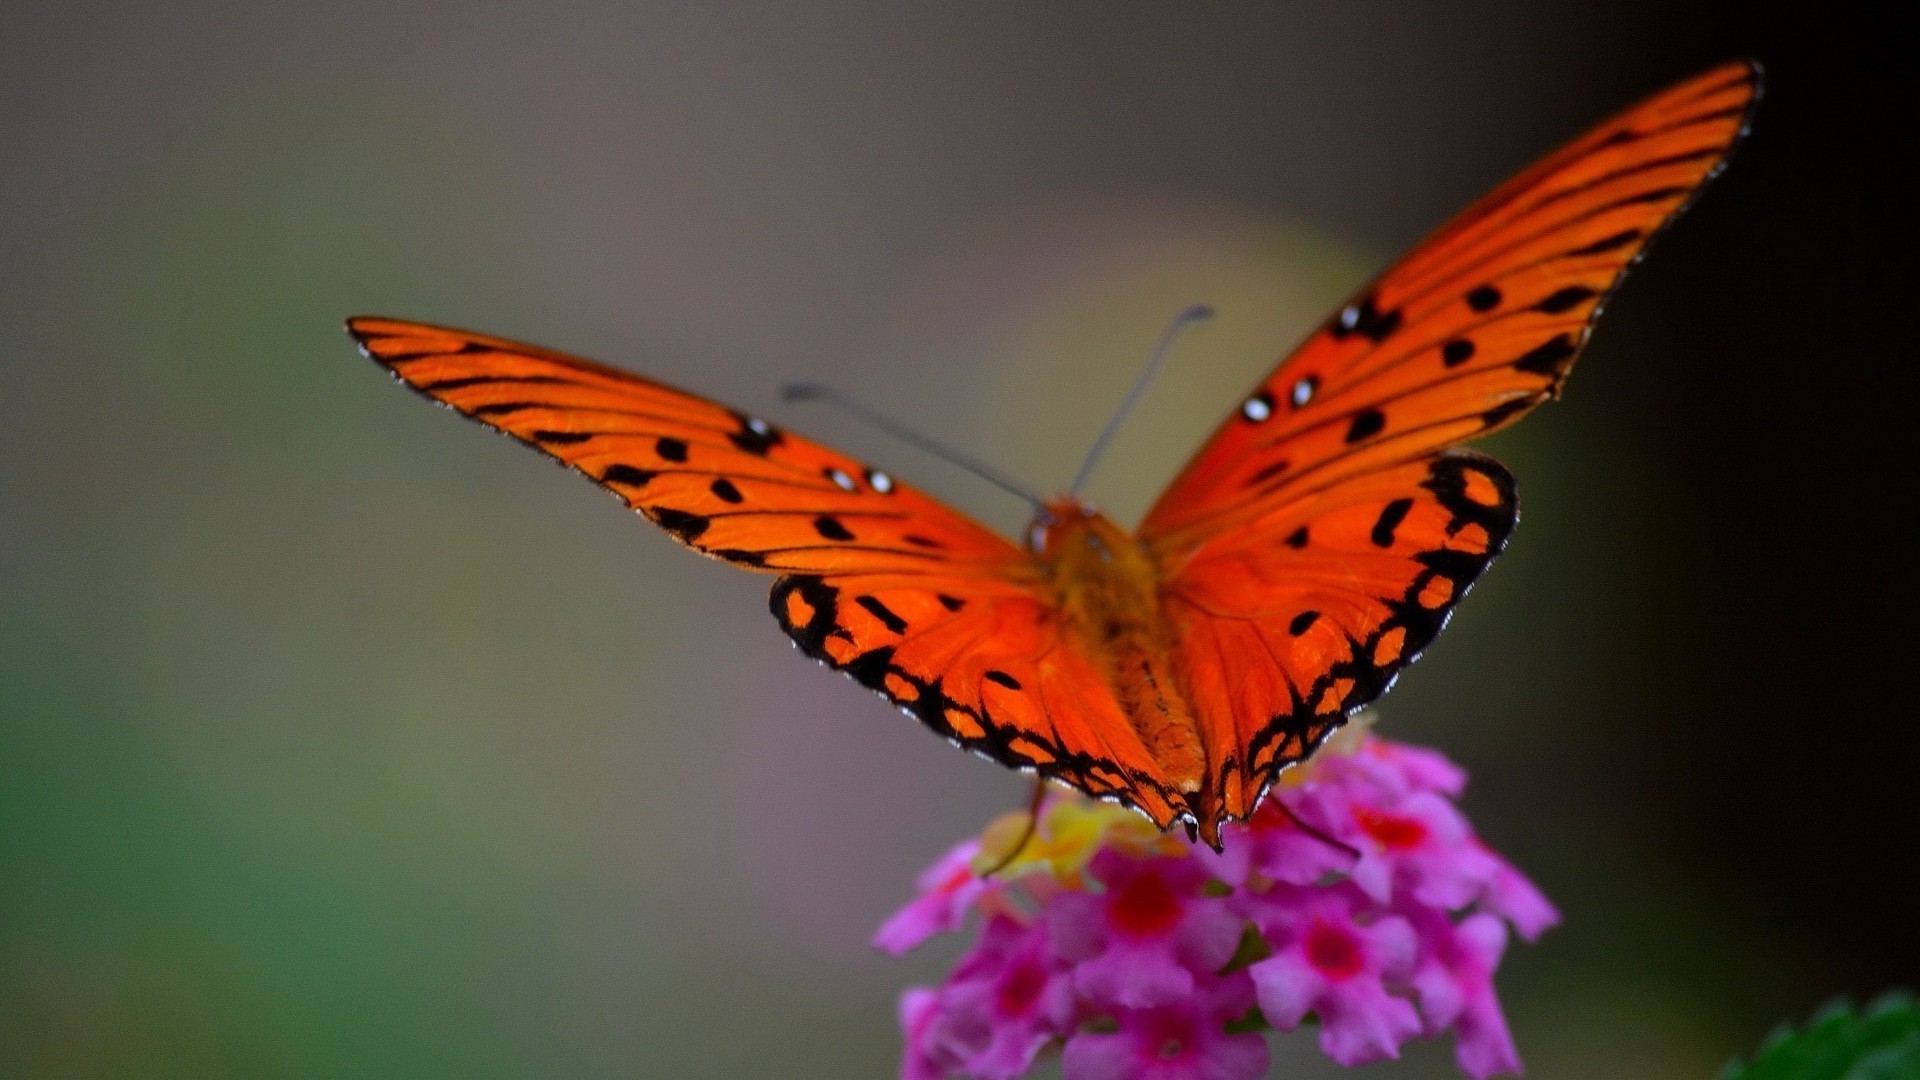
x=882, y=612
x=1550, y=358
x=740, y=556
x=1297, y=539
x=951, y=603
x=1366, y=424
x=1391, y=515
x=1484, y=298
x=724, y=490
x=924, y=541
x=671, y=449
x=1455, y=353
x=1565, y=300
x=561, y=438
x=626, y=476
x=1004, y=679
x=679, y=522
x=830, y=527
x=1268, y=471
x=502, y=408
x=1303, y=622
x=1610, y=243
x=1504, y=411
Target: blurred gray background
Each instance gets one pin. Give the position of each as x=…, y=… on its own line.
x=339, y=739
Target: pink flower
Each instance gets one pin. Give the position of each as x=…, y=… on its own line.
x=1008, y=998
x=1454, y=978
x=1512, y=897
x=1181, y=1040
x=1410, y=768
x=1357, y=893
x=1417, y=842
x=948, y=890
x=929, y=1054
x=1141, y=942
x=1271, y=846
x=1327, y=962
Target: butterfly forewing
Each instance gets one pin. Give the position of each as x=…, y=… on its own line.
x=948, y=620
x=725, y=483
x=1472, y=329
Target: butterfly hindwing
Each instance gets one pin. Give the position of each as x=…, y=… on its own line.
x=1476, y=326
x=988, y=668
x=1292, y=623
x=725, y=483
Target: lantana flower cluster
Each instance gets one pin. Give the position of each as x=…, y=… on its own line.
x=1357, y=894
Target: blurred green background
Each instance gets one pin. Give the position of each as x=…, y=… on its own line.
x=338, y=739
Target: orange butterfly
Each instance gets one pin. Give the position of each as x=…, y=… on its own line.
x=1315, y=545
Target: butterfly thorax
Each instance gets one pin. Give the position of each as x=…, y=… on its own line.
x=1107, y=587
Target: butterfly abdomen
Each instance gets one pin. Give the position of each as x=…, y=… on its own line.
x=1108, y=593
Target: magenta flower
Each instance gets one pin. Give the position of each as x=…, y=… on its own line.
x=1270, y=847
x=1008, y=998
x=1141, y=942
x=948, y=890
x=1357, y=896
x=1454, y=979
x=929, y=1053
x=1182, y=1040
x=1512, y=897
x=1333, y=958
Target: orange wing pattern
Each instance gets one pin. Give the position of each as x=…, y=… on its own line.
x=992, y=673
x=1287, y=627
x=1475, y=327
x=946, y=619
x=1320, y=539
x=1312, y=549
x=724, y=483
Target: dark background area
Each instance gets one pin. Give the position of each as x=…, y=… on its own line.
x=336, y=739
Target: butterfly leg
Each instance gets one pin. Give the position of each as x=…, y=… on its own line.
x=1026, y=834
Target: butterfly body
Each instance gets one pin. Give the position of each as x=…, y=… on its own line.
x=1314, y=547
x=1107, y=591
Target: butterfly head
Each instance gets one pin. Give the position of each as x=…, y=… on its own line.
x=1061, y=519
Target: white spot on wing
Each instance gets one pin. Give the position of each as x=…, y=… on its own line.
x=841, y=479
x=1303, y=391
x=1350, y=316
x=1256, y=409
x=881, y=482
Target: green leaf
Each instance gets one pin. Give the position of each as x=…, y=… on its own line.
x=1839, y=1043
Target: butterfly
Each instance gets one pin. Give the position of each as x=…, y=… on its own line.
x=1314, y=546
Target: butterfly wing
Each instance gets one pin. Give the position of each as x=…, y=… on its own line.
x=1287, y=626
x=942, y=616
x=990, y=671
x=1471, y=330
x=1319, y=539
x=724, y=483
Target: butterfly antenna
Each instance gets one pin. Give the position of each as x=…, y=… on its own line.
x=874, y=418
x=1194, y=314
